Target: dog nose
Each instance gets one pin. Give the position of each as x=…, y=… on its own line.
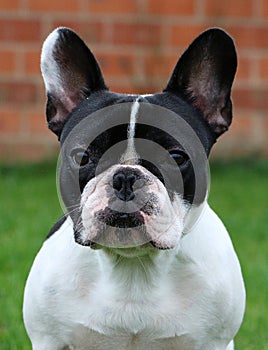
x=123, y=182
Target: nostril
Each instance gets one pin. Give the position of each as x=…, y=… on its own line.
x=131, y=179
x=123, y=185
x=118, y=181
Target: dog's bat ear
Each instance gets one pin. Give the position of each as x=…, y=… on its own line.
x=204, y=75
x=70, y=73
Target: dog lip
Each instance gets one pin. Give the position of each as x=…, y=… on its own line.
x=86, y=243
x=123, y=215
x=119, y=219
x=156, y=246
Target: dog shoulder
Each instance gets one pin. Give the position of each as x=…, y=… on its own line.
x=56, y=226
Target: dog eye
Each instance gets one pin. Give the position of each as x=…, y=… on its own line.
x=179, y=157
x=81, y=157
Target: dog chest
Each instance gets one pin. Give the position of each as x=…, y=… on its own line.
x=128, y=301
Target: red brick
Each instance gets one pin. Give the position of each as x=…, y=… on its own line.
x=37, y=124
x=9, y=5
x=7, y=61
x=132, y=88
x=263, y=68
x=148, y=88
x=121, y=24
x=32, y=61
x=241, y=126
x=9, y=122
x=171, y=7
x=255, y=99
x=183, y=35
x=238, y=8
x=111, y=6
x=264, y=8
x=18, y=93
x=244, y=68
x=52, y=5
x=119, y=65
x=122, y=88
x=250, y=36
x=19, y=30
x=160, y=65
x=136, y=34
x=90, y=31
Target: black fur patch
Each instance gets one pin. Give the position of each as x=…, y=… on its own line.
x=56, y=226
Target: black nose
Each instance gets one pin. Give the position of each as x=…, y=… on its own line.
x=123, y=182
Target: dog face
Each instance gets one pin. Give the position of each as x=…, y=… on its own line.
x=134, y=166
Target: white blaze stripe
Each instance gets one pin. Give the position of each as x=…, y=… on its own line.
x=131, y=155
x=132, y=123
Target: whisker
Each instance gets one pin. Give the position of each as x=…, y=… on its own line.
x=74, y=206
x=73, y=210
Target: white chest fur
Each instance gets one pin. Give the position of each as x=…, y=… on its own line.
x=189, y=298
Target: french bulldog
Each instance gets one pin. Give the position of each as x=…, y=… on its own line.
x=139, y=261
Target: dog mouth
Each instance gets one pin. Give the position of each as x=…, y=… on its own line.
x=120, y=219
x=120, y=229
x=124, y=233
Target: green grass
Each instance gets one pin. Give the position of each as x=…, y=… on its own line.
x=239, y=194
x=29, y=206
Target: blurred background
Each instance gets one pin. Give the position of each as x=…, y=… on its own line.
x=137, y=43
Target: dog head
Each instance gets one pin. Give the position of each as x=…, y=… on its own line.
x=134, y=166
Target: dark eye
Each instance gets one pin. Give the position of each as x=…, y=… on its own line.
x=179, y=157
x=81, y=157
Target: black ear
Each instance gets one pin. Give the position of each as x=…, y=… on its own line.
x=204, y=75
x=70, y=72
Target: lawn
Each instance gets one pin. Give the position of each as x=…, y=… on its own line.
x=29, y=206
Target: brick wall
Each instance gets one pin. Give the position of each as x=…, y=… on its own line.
x=137, y=43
